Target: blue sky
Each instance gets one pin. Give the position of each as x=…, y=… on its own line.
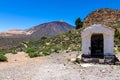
x=23, y=14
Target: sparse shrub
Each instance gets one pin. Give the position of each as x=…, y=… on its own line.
x=68, y=59
x=2, y=52
x=117, y=33
x=46, y=52
x=78, y=60
x=13, y=52
x=65, y=47
x=30, y=50
x=44, y=38
x=33, y=54
x=119, y=49
x=3, y=57
x=41, y=54
x=56, y=51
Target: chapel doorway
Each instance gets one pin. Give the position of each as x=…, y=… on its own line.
x=97, y=46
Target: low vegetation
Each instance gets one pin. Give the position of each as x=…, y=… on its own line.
x=117, y=39
x=2, y=56
x=70, y=41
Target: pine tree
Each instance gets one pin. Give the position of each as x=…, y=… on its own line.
x=78, y=23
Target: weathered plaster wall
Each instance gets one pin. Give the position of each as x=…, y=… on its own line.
x=108, y=35
x=86, y=43
x=108, y=44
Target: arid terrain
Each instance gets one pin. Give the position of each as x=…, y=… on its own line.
x=54, y=67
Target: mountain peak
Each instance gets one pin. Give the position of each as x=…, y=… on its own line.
x=61, y=21
x=49, y=29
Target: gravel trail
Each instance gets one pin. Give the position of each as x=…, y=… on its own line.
x=54, y=67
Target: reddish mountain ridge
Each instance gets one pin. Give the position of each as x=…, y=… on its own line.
x=106, y=16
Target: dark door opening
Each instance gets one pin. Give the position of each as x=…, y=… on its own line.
x=97, y=45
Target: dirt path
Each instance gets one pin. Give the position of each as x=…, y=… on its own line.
x=54, y=67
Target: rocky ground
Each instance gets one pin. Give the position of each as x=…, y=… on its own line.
x=54, y=67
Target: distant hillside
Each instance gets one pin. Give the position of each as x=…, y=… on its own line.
x=49, y=29
x=104, y=16
x=69, y=41
x=13, y=32
x=11, y=38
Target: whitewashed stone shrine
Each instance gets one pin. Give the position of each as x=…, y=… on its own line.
x=97, y=41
